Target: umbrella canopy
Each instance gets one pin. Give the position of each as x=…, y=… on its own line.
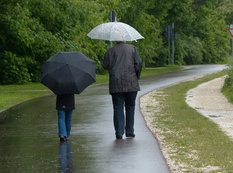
x=115, y=31
x=68, y=73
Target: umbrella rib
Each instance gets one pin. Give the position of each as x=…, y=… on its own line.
x=76, y=74
x=53, y=69
x=78, y=67
x=128, y=33
x=111, y=30
x=131, y=36
x=73, y=77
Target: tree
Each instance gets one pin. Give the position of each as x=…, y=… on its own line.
x=25, y=37
x=210, y=27
x=33, y=30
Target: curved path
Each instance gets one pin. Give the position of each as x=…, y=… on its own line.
x=29, y=143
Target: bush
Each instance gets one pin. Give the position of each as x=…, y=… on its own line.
x=229, y=79
x=189, y=50
x=228, y=85
x=13, y=69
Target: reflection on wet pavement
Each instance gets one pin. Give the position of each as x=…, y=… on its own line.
x=65, y=158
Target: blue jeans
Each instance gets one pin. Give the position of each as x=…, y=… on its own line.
x=64, y=122
x=120, y=101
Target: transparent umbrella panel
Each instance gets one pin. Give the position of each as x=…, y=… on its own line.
x=115, y=31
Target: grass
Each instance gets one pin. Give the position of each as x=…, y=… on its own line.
x=227, y=89
x=228, y=93
x=14, y=94
x=156, y=71
x=194, y=141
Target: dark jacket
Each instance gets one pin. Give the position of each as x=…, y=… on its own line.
x=65, y=102
x=124, y=65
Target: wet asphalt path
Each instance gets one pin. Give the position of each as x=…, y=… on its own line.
x=29, y=142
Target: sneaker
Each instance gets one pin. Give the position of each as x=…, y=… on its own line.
x=130, y=135
x=63, y=139
x=118, y=137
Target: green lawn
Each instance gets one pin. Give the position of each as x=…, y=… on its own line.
x=195, y=142
x=227, y=89
x=14, y=94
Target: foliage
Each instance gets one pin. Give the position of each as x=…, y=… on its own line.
x=214, y=40
x=190, y=50
x=34, y=30
x=228, y=85
x=13, y=68
x=26, y=38
x=226, y=7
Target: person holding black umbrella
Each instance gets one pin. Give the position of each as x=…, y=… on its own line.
x=124, y=65
x=66, y=74
x=64, y=105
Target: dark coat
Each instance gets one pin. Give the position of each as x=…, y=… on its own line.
x=124, y=65
x=65, y=102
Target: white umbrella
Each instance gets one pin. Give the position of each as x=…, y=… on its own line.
x=115, y=31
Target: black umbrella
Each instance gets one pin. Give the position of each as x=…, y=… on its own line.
x=68, y=73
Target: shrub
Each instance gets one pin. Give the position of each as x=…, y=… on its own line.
x=228, y=85
x=13, y=69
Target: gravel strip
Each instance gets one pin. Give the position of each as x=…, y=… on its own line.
x=208, y=100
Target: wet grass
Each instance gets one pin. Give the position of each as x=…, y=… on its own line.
x=194, y=141
x=14, y=94
x=227, y=89
x=159, y=70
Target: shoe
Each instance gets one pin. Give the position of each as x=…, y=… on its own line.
x=118, y=137
x=63, y=139
x=130, y=135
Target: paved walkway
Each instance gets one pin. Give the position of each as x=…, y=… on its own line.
x=208, y=100
x=29, y=142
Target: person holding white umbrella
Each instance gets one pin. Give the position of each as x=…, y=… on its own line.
x=124, y=65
